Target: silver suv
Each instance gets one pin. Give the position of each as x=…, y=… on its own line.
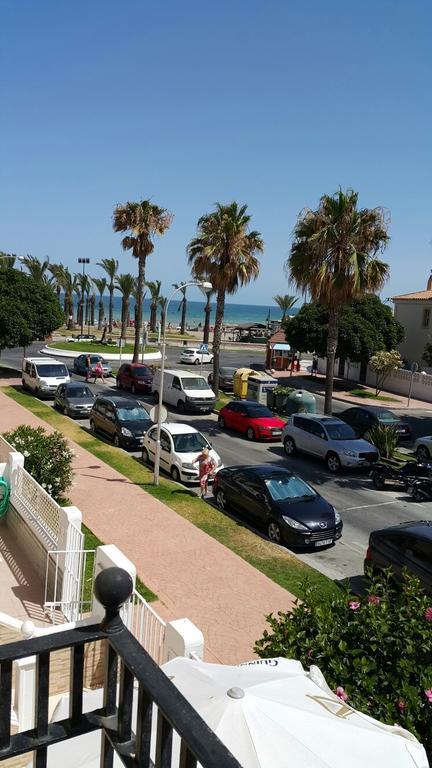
x=328, y=438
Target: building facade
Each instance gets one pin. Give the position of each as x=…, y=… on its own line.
x=414, y=311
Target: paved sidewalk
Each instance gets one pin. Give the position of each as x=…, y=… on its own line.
x=193, y=575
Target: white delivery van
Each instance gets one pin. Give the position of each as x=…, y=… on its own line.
x=185, y=390
x=43, y=375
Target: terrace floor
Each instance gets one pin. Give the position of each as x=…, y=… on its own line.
x=21, y=590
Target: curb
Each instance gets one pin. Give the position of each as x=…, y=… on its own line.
x=150, y=357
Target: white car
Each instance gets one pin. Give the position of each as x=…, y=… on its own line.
x=81, y=337
x=423, y=448
x=193, y=356
x=180, y=447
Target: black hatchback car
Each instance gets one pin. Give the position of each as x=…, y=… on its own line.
x=406, y=545
x=279, y=500
x=124, y=421
x=226, y=378
x=362, y=418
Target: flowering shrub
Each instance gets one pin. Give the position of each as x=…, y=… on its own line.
x=47, y=457
x=375, y=651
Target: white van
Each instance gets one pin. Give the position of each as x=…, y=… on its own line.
x=187, y=391
x=43, y=375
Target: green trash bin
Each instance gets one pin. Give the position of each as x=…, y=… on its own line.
x=300, y=401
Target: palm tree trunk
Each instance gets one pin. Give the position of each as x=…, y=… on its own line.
x=217, y=337
x=332, y=340
x=153, y=310
x=92, y=310
x=139, y=307
x=125, y=316
x=110, y=308
x=101, y=313
x=183, y=316
x=207, y=311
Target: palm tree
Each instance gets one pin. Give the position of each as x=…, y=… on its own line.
x=333, y=256
x=57, y=272
x=125, y=284
x=110, y=266
x=101, y=284
x=68, y=285
x=182, y=306
x=154, y=287
x=81, y=289
x=224, y=252
x=142, y=221
x=36, y=269
x=285, y=303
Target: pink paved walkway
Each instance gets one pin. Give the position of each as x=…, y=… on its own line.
x=193, y=575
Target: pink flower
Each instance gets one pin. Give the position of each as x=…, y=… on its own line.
x=374, y=600
x=428, y=694
x=400, y=703
x=428, y=614
x=341, y=693
x=354, y=605
x=309, y=653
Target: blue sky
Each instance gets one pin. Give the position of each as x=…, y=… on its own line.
x=192, y=102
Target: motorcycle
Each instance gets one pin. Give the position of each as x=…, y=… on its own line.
x=420, y=489
x=409, y=472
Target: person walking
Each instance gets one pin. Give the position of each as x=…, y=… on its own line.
x=207, y=465
x=87, y=368
x=98, y=372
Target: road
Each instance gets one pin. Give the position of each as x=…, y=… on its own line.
x=362, y=508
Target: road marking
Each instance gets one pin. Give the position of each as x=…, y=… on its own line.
x=369, y=506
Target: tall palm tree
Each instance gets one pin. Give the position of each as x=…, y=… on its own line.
x=333, y=256
x=82, y=289
x=135, y=297
x=110, y=266
x=57, y=272
x=37, y=269
x=182, y=306
x=285, y=303
x=142, y=221
x=68, y=285
x=125, y=284
x=224, y=251
x=101, y=284
x=154, y=287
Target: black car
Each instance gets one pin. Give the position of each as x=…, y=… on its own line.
x=274, y=497
x=123, y=420
x=362, y=418
x=74, y=399
x=406, y=545
x=226, y=379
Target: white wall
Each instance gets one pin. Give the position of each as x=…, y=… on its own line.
x=398, y=382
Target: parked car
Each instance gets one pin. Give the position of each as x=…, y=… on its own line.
x=74, y=399
x=180, y=446
x=42, y=375
x=80, y=365
x=124, y=421
x=423, y=448
x=254, y=420
x=134, y=376
x=193, y=356
x=226, y=379
x=362, y=418
x=185, y=390
x=291, y=511
x=405, y=545
x=90, y=337
x=328, y=438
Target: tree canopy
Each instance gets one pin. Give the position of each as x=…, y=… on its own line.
x=29, y=309
x=366, y=327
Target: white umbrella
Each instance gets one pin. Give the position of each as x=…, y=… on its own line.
x=270, y=713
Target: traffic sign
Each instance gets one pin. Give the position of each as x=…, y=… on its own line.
x=203, y=348
x=154, y=413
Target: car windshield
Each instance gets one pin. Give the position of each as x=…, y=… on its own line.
x=197, y=382
x=52, y=370
x=134, y=413
x=284, y=487
x=141, y=371
x=259, y=412
x=387, y=416
x=340, y=432
x=190, y=443
x=79, y=392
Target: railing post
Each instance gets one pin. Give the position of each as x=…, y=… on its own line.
x=24, y=694
x=109, y=556
x=15, y=460
x=182, y=638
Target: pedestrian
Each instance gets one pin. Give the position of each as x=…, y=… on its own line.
x=207, y=465
x=98, y=372
x=314, y=365
x=87, y=368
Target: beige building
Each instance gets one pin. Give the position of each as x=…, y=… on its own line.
x=414, y=311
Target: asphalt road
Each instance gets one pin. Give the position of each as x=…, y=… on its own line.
x=362, y=508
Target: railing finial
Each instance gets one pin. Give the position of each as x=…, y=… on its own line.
x=112, y=587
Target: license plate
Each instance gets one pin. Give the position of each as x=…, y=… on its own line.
x=276, y=432
x=323, y=543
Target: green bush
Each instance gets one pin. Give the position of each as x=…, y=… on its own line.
x=47, y=457
x=374, y=650
x=385, y=439
x=280, y=390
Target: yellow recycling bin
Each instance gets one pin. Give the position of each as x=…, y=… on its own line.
x=241, y=377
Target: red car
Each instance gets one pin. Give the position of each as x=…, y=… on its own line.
x=256, y=421
x=134, y=376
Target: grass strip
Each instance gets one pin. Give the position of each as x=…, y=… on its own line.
x=95, y=348
x=279, y=565
x=364, y=393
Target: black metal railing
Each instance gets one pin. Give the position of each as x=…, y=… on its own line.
x=127, y=665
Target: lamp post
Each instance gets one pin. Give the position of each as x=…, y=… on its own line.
x=205, y=287
x=83, y=262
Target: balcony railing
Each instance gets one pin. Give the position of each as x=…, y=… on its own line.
x=127, y=665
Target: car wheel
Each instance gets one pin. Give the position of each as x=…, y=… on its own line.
x=133, y=389
x=23, y=384
x=422, y=453
x=181, y=406
x=274, y=532
x=333, y=462
x=221, y=422
x=417, y=495
x=378, y=481
x=145, y=456
x=197, y=361
x=116, y=441
x=221, y=500
x=289, y=446
x=250, y=434
x=156, y=397
x=211, y=361
x=175, y=474
x=92, y=427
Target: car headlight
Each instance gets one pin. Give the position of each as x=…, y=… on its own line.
x=337, y=517
x=126, y=432
x=187, y=465
x=294, y=523
x=350, y=453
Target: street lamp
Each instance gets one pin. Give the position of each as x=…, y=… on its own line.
x=83, y=262
x=205, y=287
